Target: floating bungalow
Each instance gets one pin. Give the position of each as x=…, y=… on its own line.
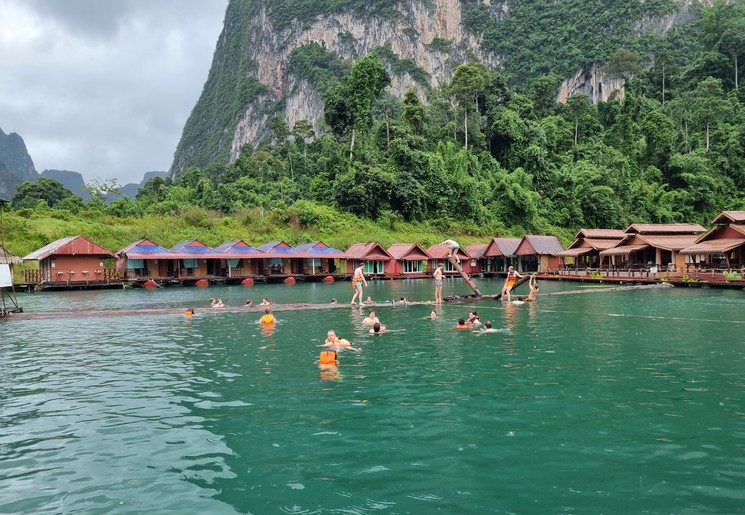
x=144, y=260
x=73, y=262
x=538, y=253
x=372, y=254
x=723, y=247
x=653, y=247
x=500, y=254
x=281, y=260
x=239, y=260
x=321, y=259
x=478, y=262
x=409, y=260
x=587, y=245
x=438, y=256
x=196, y=261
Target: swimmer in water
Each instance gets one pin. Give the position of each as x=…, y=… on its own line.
x=334, y=342
x=488, y=328
x=462, y=324
x=371, y=319
x=265, y=302
x=249, y=303
x=328, y=358
x=433, y=315
x=378, y=329
x=189, y=312
x=268, y=318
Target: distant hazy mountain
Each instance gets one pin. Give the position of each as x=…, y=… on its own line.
x=16, y=166
x=73, y=181
x=131, y=189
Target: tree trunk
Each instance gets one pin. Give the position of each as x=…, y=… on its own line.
x=707, y=136
x=351, y=145
x=576, y=131
x=663, y=84
x=736, y=81
x=387, y=131
x=465, y=127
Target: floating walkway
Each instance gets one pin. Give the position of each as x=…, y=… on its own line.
x=52, y=315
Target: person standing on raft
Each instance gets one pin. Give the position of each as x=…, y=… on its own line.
x=437, y=276
x=358, y=279
x=509, y=283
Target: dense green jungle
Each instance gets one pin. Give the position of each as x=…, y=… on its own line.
x=489, y=153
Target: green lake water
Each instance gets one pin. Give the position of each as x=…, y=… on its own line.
x=605, y=402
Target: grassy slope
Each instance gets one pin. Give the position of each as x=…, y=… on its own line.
x=24, y=234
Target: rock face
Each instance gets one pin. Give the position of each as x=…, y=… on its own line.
x=430, y=35
x=16, y=165
x=592, y=83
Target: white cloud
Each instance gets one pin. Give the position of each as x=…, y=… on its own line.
x=104, y=87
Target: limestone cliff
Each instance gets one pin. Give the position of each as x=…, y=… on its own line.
x=251, y=80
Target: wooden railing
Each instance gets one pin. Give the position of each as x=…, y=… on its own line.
x=38, y=276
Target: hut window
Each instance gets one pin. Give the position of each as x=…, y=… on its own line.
x=191, y=263
x=135, y=264
x=233, y=263
x=412, y=266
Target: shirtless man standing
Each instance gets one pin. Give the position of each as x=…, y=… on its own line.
x=358, y=279
x=437, y=276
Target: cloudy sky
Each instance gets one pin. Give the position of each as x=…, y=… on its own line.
x=104, y=87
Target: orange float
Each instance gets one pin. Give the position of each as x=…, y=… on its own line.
x=150, y=284
x=202, y=283
x=247, y=282
x=328, y=279
x=289, y=280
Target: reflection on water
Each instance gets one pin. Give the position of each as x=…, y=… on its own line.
x=584, y=402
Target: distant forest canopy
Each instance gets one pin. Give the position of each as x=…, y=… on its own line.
x=485, y=156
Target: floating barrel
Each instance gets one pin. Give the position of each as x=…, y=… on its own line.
x=289, y=280
x=202, y=283
x=150, y=284
x=328, y=279
x=247, y=282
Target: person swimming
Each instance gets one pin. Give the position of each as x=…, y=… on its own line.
x=328, y=357
x=333, y=341
x=378, y=329
x=268, y=318
x=462, y=324
x=189, y=312
x=249, y=303
x=371, y=319
x=488, y=328
x=265, y=302
x=433, y=315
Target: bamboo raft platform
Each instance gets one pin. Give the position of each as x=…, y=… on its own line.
x=209, y=311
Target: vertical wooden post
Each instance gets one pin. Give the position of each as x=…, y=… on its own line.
x=464, y=275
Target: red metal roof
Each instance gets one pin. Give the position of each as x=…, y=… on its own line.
x=408, y=252
x=371, y=251
x=440, y=251
x=624, y=250
x=534, y=244
x=665, y=229
x=71, y=245
x=574, y=252
x=714, y=246
x=674, y=242
x=476, y=250
x=502, y=247
x=735, y=217
x=601, y=233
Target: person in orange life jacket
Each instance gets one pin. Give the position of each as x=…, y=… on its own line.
x=328, y=358
x=509, y=283
x=268, y=318
x=462, y=324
